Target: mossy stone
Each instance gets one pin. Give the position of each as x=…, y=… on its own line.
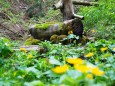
x=31, y=41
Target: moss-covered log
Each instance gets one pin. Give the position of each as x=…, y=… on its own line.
x=45, y=31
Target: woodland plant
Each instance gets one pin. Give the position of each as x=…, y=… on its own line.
x=65, y=65
x=5, y=49
x=100, y=18
x=57, y=67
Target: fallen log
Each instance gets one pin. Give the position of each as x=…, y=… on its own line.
x=84, y=3
x=45, y=31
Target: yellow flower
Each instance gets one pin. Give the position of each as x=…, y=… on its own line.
x=70, y=32
x=60, y=69
x=89, y=55
x=23, y=49
x=93, y=31
x=97, y=72
x=90, y=76
x=103, y=49
x=74, y=60
x=81, y=68
x=29, y=56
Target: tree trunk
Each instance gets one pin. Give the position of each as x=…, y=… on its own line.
x=72, y=22
x=67, y=10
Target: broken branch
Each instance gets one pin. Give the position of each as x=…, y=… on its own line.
x=58, y=5
x=85, y=3
x=78, y=16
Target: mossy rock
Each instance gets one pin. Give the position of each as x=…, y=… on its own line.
x=31, y=41
x=54, y=38
x=58, y=39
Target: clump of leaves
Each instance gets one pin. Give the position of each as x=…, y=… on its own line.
x=5, y=48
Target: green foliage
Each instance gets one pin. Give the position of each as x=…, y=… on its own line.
x=101, y=18
x=4, y=5
x=52, y=15
x=35, y=68
x=38, y=68
x=5, y=50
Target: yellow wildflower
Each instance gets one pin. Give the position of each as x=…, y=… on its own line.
x=90, y=76
x=93, y=31
x=23, y=49
x=60, y=69
x=97, y=72
x=81, y=68
x=103, y=49
x=89, y=55
x=29, y=56
x=70, y=32
x=74, y=60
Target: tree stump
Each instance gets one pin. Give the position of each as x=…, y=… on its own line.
x=72, y=22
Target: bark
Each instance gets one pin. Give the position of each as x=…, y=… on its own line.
x=58, y=5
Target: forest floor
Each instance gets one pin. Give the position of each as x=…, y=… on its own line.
x=54, y=64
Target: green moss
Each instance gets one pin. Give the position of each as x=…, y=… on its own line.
x=54, y=38
x=58, y=39
x=47, y=25
x=31, y=41
x=60, y=24
x=42, y=26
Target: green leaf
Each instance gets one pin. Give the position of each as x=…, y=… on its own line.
x=54, y=61
x=34, y=83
